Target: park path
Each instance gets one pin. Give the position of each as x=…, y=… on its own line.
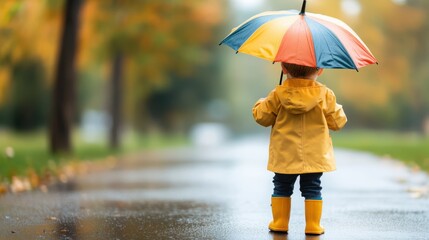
x=220, y=192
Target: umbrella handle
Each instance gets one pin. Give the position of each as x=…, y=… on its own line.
x=303, y=7
x=281, y=77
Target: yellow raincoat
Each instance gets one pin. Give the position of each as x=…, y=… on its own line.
x=301, y=112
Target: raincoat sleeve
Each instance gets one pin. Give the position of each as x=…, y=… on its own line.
x=265, y=110
x=334, y=113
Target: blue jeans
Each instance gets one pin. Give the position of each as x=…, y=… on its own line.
x=309, y=185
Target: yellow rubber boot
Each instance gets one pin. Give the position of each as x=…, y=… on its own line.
x=313, y=213
x=280, y=207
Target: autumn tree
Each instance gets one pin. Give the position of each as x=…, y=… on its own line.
x=148, y=48
x=26, y=60
x=148, y=45
x=64, y=89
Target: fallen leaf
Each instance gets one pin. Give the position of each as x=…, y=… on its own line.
x=20, y=184
x=3, y=189
x=33, y=178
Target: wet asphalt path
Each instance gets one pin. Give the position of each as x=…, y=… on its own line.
x=219, y=193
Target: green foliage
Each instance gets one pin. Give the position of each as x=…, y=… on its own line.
x=21, y=153
x=27, y=105
x=54, y=5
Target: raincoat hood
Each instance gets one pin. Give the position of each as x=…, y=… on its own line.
x=299, y=96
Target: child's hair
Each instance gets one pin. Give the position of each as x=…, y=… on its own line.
x=299, y=71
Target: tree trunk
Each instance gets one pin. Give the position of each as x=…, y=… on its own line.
x=64, y=89
x=116, y=100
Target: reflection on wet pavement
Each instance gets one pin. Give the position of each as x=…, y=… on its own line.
x=220, y=193
x=120, y=220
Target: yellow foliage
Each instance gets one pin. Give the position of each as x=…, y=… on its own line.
x=33, y=32
x=87, y=38
x=5, y=12
x=4, y=83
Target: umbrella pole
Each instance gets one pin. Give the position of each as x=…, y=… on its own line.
x=303, y=7
x=281, y=77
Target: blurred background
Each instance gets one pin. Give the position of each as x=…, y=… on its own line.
x=87, y=79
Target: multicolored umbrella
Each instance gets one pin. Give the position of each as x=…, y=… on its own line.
x=300, y=38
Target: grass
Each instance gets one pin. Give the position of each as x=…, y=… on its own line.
x=21, y=154
x=411, y=148
x=30, y=151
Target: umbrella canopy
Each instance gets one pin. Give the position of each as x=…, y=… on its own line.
x=302, y=38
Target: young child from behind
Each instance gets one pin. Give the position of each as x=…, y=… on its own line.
x=300, y=112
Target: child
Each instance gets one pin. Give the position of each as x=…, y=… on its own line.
x=300, y=112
